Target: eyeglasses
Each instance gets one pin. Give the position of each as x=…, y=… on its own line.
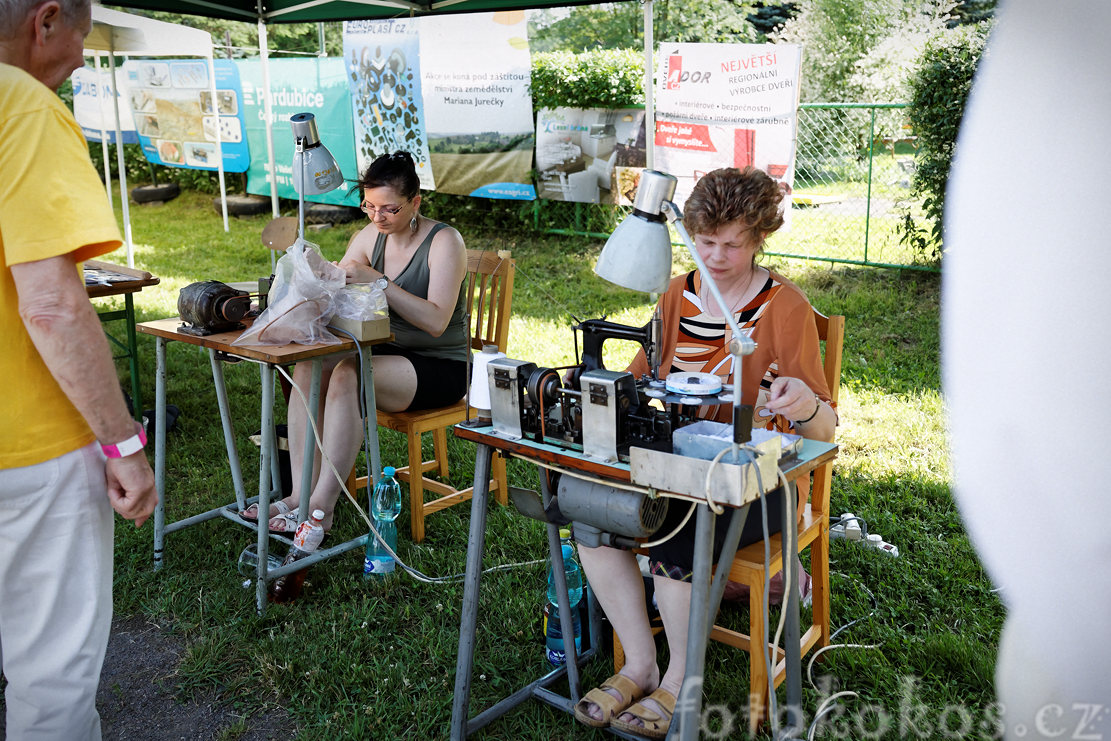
x=373, y=212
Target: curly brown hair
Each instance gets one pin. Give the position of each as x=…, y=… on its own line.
x=726, y=195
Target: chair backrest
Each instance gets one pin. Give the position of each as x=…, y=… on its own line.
x=831, y=331
x=490, y=297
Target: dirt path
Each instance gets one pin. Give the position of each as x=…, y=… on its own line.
x=136, y=700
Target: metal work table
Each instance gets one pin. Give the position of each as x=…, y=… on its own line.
x=124, y=282
x=268, y=357
x=705, y=597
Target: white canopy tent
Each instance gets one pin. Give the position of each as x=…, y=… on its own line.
x=123, y=34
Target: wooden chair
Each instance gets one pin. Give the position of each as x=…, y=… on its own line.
x=748, y=565
x=489, y=291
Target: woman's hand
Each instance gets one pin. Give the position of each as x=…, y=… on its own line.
x=358, y=272
x=792, y=398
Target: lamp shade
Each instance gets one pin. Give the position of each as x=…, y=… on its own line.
x=315, y=170
x=638, y=253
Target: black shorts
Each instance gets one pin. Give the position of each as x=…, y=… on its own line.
x=439, y=382
x=675, y=557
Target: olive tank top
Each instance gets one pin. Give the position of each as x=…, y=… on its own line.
x=452, y=344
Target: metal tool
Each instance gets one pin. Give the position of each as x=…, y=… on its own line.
x=210, y=306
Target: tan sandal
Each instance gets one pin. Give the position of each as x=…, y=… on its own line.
x=655, y=725
x=610, y=706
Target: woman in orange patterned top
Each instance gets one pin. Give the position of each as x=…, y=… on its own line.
x=729, y=214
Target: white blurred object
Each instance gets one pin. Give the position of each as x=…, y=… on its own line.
x=1025, y=310
x=479, y=393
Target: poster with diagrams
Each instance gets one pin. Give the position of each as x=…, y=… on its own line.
x=176, y=118
x=589, y=156
x=726, y=105
x=383, y=75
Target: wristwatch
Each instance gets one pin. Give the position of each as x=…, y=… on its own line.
x=382, y=282
x=124, y=448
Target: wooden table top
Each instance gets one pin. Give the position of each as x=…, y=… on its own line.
x=222, y=342
x=138, y=280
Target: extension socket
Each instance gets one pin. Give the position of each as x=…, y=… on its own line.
x=848, y=527
x=875, y=540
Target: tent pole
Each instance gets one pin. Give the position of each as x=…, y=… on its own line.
x=219, y=137
x=123, y=167
x=649, y=101
x=264, y=55
x=103, y=131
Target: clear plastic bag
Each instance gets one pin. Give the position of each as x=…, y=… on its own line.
x=300, y=302
x=361, y=301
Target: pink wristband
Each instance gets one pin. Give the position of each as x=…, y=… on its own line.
x=124, y=448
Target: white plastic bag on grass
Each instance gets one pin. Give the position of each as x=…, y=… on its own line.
x=300, y=302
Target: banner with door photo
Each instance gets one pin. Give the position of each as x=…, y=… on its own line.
x=171, y=104
x=317, y=86
x=384, y=80
x=726, y=105
x=589, y=156
x=475, y=72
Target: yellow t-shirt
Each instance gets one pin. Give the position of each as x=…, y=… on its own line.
x=51, y=203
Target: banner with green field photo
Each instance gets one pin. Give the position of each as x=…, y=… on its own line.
x=475, y=71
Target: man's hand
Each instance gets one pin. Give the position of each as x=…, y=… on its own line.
x=131, y=489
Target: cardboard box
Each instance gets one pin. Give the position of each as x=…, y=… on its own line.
x=364, y=331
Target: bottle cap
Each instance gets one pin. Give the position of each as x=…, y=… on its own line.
x=388, y=471
x=318, y=514
x=564, y=533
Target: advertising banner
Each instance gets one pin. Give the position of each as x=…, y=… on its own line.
x=475, y=71
x=316, y=86
x=171, y=102
x=92, y=106
x=726, y=105
x=383, y=76
x=590, y=156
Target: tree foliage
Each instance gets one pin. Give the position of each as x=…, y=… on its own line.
x=602, y=78
x=939, y=91
x=621, y=25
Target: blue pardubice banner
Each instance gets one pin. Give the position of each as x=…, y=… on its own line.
x=317, y=86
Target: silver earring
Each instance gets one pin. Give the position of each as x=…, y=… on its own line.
x=413, y=223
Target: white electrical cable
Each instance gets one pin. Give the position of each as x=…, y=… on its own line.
x=823, y=649
x=416, y=574
x=824, y=708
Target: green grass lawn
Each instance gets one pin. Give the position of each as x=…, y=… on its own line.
x=360, y=660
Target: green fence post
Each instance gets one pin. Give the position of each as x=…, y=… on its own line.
x=868, y=201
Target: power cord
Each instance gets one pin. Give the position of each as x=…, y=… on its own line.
x=342, y=480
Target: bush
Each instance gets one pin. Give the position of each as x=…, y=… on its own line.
x=939, y=91
x=605, y=78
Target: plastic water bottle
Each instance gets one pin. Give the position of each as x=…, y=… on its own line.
x=307, y=539
x=385, y=506
x=386, y=500
x=553, y=633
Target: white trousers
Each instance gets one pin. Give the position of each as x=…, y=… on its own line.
x=55, y=595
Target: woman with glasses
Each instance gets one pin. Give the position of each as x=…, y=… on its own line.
x=420, y=264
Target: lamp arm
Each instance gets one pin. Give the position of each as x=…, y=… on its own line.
x=740, y=344
x=299, y=160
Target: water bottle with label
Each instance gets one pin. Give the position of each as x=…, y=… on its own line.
x=307, y=539
x=385, y=506
x=553, y=632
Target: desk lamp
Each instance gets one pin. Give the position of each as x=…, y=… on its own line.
x=638, y=256
x=315, y=170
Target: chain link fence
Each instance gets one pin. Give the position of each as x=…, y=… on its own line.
x=853, y=170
